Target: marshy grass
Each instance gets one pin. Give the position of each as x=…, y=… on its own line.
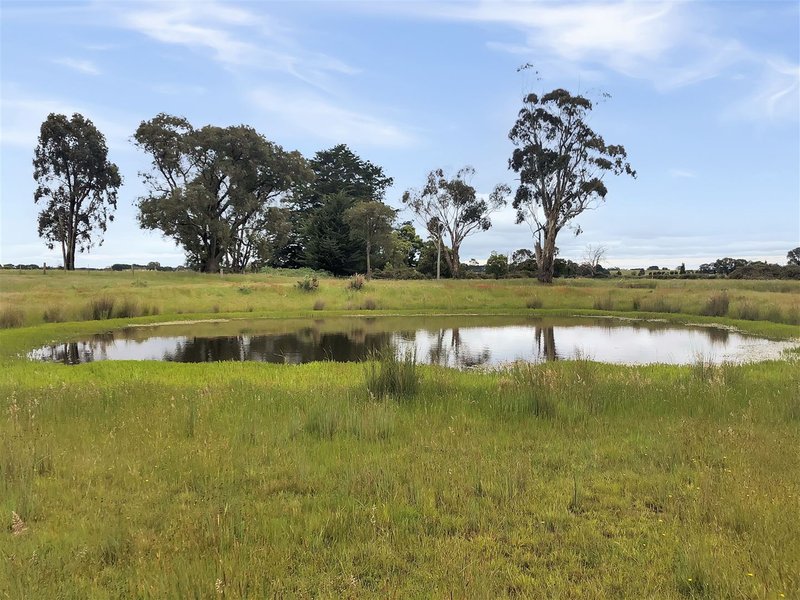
x=392, y=374
x=564, y=479
x=260, y=477
x=11, y=317
x=534, y=302
x=319, y=305
x=603, y=303
x=717, y=305
x=53, y=314
x=99, y=308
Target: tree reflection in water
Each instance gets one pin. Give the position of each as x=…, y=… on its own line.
x=546, y=343
x=438, y=341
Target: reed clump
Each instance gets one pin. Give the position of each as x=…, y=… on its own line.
x=392, y=374
x=11, y=317
x=717, y=305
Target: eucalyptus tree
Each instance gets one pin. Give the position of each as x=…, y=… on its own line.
x=561, y=163
x=210, y=189
x=76, y=181
x=453, y=207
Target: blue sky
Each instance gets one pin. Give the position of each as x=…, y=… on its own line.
x=705, y=98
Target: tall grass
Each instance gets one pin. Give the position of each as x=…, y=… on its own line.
x=11, y=317
x=163, y=480
x=717, y=305
x=391, y=374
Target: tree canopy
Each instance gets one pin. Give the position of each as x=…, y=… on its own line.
x=210, y=188
x=793, y=256
x=561, y=163
x=341, y=180
x=77, y=182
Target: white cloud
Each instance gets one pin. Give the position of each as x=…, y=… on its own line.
x=84, y=66
x=323, y=119
x=681, y=173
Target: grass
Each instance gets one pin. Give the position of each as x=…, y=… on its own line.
x=275, y=294
x=385, y=479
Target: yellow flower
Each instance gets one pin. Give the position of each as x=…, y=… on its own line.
x=750, y=575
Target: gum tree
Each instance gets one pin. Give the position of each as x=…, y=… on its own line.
x=210, y=189
x=454, y=205
x=76, y=181
x=561, y=163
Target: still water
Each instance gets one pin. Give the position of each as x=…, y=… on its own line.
x=462, y=342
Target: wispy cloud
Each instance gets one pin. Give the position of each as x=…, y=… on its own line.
x=323, y=119
x=670, y=44
x=682, y=173
x=234, y=37
x=23, y=113
x=775, y=95
x=83, y=66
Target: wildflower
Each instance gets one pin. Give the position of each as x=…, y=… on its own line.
x=750, y=575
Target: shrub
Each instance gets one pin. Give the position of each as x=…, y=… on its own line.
x=717, y=305
x=356, y=282
x=319, y=305
x=369, y=304
x=11, y=317
x=53, y=314
x=309, y=283
x=534, y=302
x=389, y=374
x=100, y=308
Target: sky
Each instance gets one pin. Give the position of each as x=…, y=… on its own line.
x=705, y=97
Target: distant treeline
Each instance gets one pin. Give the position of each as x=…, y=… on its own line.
x=521, y=266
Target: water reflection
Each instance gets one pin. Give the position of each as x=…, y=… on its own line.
x=462, y=343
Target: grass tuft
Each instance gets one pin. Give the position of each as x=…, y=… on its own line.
x=356, y=282
x=534, y=302
x=100, y=308
x=53, y=314
x=391, y=374
x=717, y=305
x=11, y=317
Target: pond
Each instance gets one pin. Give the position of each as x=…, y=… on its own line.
x=457, y=341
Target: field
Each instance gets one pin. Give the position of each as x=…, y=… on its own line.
x=232, y=480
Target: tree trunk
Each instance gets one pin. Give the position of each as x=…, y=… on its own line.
x=546, y=256
x=439, y=258
x=369, y=267
x=69, y=259
x=453, y=262
x=211, y=265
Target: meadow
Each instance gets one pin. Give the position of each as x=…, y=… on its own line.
x=233, y=480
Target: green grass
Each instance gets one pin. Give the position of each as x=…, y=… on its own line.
x=233, y=480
